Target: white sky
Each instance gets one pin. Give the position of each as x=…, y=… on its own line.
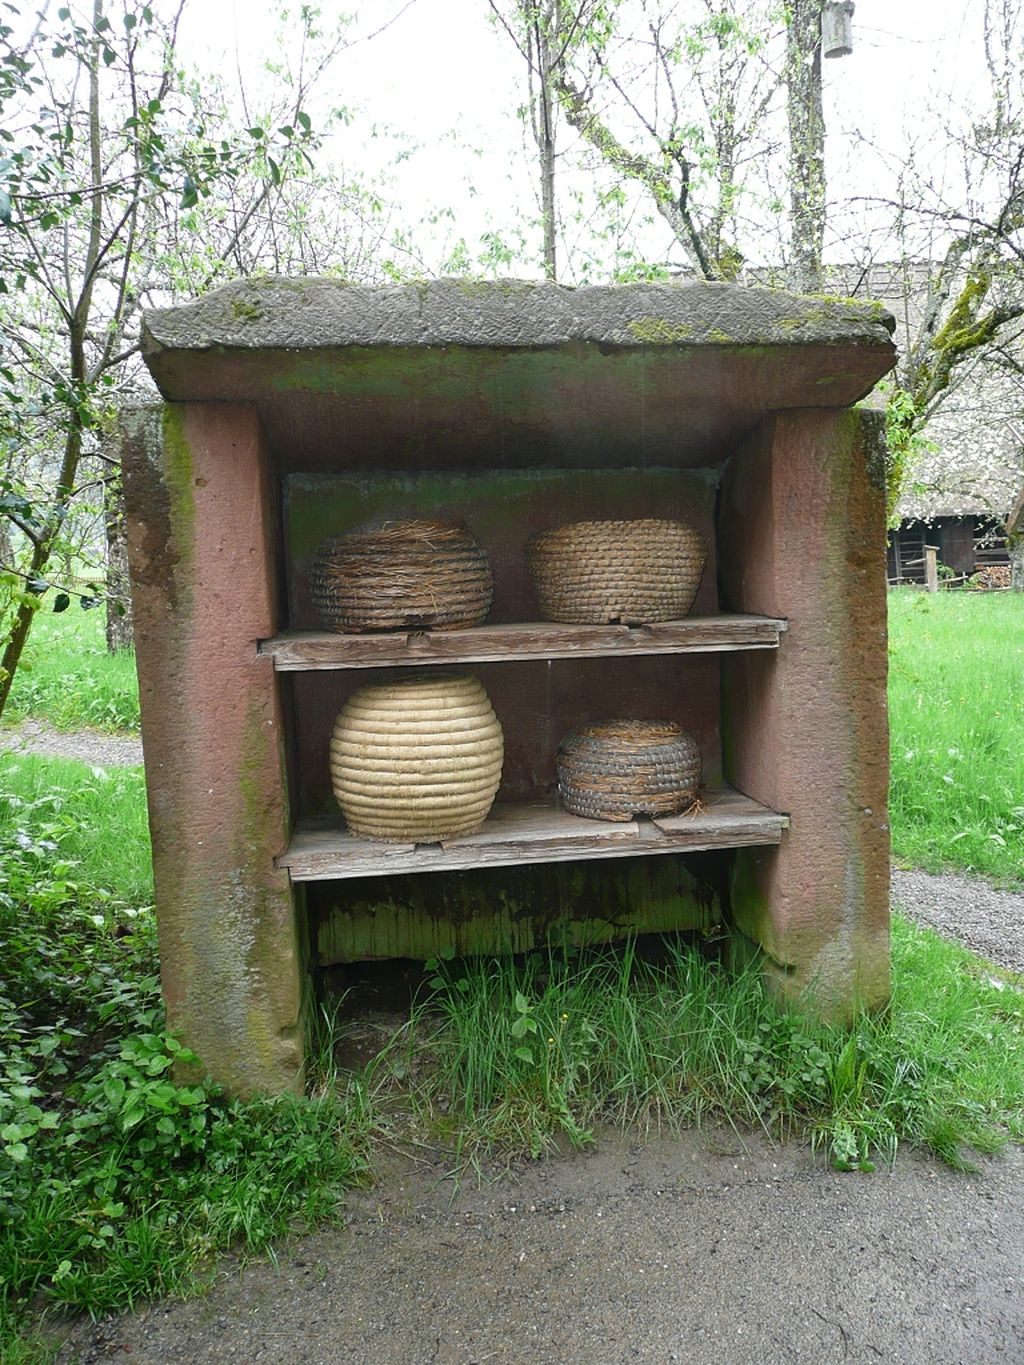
x=442, y=85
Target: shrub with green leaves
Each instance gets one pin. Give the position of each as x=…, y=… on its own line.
x=117, y=1171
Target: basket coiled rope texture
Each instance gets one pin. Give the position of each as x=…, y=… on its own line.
x=622, y=768
x=417, y=760
x=605, y=571
x=403, y=573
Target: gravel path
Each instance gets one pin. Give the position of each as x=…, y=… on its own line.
x=989, y=922
x=88, y=746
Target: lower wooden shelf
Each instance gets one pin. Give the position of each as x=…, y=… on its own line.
x=323, y=850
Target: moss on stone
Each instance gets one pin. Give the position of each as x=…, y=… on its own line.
x=247, y=310
x=178, y=471
x=872, y=307
x=659, y=331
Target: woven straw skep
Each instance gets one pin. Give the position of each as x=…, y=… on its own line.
x=622, y=768
x=628, y=571
x=422, y=574
x=417, y=760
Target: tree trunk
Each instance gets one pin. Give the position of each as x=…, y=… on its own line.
x=806, y=144
x=1016, y=548
x=542, y=20
x=547, y=168
x=120, y=633
x=6, y=546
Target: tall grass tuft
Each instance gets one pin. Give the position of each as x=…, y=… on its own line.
x=956, y=701
x=516, y=1054
x=67, y=678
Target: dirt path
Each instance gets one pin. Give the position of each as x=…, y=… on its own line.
x=706, y=1248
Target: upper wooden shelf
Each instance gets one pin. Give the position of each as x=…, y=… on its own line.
x=535, y=832
x=297, y=651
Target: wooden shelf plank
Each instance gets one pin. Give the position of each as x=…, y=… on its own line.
x=295, y=651
x=533, y=833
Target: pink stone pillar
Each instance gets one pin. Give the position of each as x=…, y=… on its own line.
x=201, y=545
x=805, y=730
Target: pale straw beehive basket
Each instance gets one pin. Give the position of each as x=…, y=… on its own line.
x=411, y=573
x=627, y=571
x=622, y=768
x=417, y=760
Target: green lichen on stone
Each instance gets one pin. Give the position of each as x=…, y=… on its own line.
x=258, y=829
x=872, y=307
x=823, y=309
x=719, y=337
x=749, y=903
x=875, y=446
x=178, y=471
x=659, y=331
x=247, y=310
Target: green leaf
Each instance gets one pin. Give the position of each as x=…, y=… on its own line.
x=113, y=1088
x=5, y=208
x=61, y=602
x=109, y=56
x=303, y=120
x=524, y=1054
x=275, y=171
x=522, y=1004
x=189, y=194
x=17, y=1151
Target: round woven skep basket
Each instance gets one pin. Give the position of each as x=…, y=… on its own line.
x=627, y=571
x=417, y=760
x=623, y=768
x=430, y=575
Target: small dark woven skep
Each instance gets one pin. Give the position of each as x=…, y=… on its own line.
x=402, y=574
x=622, y=768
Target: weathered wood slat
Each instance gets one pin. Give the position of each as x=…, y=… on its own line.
x=294, y=651
x=533, y=832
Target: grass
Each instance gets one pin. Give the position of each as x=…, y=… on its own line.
x=511, y=1055
x=956, y=706
x=96, y=815
x=67, y=679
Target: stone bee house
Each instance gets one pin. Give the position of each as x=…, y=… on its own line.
x=295, y=409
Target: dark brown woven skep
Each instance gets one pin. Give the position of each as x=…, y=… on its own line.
x=402, y=574
x=622, y=768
